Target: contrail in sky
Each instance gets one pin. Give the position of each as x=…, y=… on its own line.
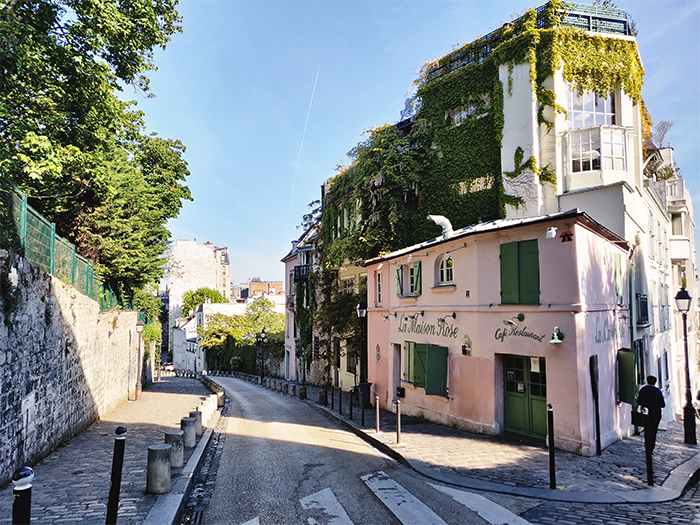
x=302, y=138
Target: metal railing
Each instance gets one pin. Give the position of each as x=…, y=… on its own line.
x=593, y=18
x=53, y=254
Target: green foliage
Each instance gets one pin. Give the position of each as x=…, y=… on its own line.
x=544, y=174
x=190, y=299
x=152, y=332
x=73, y=146
x=226, y=337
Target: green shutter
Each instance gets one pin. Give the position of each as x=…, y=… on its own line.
x=416, y=278
x=436, y=371
x=626, y=376
x=618, y=277
x=509, y=273
x=399, y=280
x=529, y=272
x=418, y=365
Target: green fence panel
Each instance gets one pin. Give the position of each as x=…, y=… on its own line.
x=64, y=259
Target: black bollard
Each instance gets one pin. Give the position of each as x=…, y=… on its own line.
x=398, y=421
x=332, y=398
x=22, y=496
x=116, y=480
x=376, y=417
x=340, y=401
x=647, y=449
x=352, y=391
x=550, y=436
x=362, y=409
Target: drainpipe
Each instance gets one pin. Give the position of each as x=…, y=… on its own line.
x=444, y=222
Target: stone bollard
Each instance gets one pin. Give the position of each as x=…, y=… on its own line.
x=292, y=390
x=302, y=392
x=175, y=438
x=285, y=388
x=273, y=385
x=279, y=386
x=158, y=469
x=187, y=425
x=197, y=416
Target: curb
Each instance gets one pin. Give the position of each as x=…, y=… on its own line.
x=674, y=486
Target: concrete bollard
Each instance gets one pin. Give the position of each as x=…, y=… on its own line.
x=188, y=429
x=302, y=392
x=285, y=388
x=197, y=415
x=292, y=390
x=158, y=469
x=175, y=438
x=279, y=386
x=273, y=385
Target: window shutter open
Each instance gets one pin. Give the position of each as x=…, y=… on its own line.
x=416, y=278
x=399, y=281
x=626, y=376
x=436, y=371
x=408, y=357
x=509, y=273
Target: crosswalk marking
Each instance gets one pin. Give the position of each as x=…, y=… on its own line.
x=485, y=508
x=326, y=501
x=406, y=507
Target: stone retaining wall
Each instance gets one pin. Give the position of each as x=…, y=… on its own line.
x=63, y=363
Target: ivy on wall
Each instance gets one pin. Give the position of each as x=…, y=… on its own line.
x=447, y=160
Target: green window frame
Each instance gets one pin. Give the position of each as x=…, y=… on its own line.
x=520, y=272
x=414, y=287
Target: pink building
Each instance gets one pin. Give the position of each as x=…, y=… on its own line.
x=485, y=326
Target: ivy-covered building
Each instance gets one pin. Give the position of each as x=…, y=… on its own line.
x=543, y=114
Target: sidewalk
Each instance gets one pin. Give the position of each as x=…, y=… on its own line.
x=508, y=466
x=72, y=484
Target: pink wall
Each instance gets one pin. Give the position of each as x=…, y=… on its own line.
x=567, y=270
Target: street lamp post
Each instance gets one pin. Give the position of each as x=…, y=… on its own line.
x=683, y=300
x=261, y=348
x=362, y=314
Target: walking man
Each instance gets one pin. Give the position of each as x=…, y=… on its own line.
x=652, y=399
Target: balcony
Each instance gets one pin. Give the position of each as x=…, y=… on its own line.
x=301, y=273
x=681, y=249
x=595, y=156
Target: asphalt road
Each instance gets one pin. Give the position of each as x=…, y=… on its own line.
x=283, y=462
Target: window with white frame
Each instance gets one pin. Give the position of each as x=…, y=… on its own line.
x=446, y=272
x=589, y=109
x=378, y=283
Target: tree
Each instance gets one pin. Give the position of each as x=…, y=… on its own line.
x=190, y=299
x=61, y=62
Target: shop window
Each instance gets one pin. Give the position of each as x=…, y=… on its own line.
x=426, y=367
x=520, y=273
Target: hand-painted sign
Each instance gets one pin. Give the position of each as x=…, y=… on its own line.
x=502, y=333
x=409, y=325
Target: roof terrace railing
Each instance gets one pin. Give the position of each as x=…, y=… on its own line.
x=598, y=19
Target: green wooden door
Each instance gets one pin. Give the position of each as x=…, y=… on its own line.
x=525, y=399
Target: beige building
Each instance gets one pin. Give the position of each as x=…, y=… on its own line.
x=191, y=266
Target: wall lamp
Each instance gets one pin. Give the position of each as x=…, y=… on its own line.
x=511, y=322
x=557, y=336
x=415, y=316
x=551, y=233
x=453, y=315
x=389, y=315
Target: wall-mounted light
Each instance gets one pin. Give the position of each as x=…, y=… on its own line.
x=361, y=311
x=551, y=233
x=410, y=258
x=453, y=315
x=447, y=256
x=557, y=336
x=415, y=316
x=380, y=266
x=511, y=322
x=389, y=315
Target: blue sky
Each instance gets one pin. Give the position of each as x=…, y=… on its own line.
x=249, y=79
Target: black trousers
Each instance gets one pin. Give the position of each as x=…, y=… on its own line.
x=651, y=429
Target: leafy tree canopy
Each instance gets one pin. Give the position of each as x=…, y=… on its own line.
x=190, y=299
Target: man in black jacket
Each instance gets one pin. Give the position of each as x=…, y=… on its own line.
x=651, y=398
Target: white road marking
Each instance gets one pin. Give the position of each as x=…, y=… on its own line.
x=254, y=521
x=406, y=507
x=485, y=508
x=326, y=501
